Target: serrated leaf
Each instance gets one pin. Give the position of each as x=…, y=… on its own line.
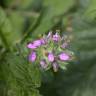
x=27, y=75
x=24, y=78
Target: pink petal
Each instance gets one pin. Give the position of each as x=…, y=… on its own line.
x=51, y=57
x=63, y=56
x=32, y=57
x=31, y=46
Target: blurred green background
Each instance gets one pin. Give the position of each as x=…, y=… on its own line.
x=25, y=20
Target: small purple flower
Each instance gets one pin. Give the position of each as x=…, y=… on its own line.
x=43, y=41
x=32, y=56
x=64, y=57
x=43, y=64
x=55, y=66
x=56, y=37
x=31, y=46
x=51, y=57
x=37, y=43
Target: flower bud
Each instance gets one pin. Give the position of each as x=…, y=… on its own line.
x=31, y=46
x=43, y=41
x=32, y=56
x=37, y=43
x=50, y=57
x=56, y=37
x=64, y=56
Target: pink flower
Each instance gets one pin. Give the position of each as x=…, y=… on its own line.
x=56, y=37
x=31, y=46
x=43, y=41
x=37, y=43
x=50, y=57
x=32, y=56
x=64, y=57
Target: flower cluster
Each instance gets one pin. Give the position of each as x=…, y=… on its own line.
x=50, y=51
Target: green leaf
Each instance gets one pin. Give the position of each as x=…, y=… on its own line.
x=59, y=7
x=24, y=77
x=24, y=4
x=90, y=13
x=63, y=65
x=17, y=21
x=46, y=23
x=33, y=21
x=53, y=8
x=87, y=41
x=28, y=74
x=8, y=34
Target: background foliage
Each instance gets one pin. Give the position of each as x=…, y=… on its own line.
x=24, y=20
